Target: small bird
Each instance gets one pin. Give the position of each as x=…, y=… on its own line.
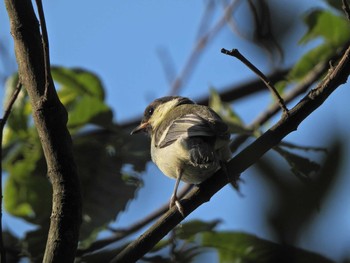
x=189, y=142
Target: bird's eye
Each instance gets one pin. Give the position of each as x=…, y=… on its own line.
x=150, y=111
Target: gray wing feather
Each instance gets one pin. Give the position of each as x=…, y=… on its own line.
x=190, y=125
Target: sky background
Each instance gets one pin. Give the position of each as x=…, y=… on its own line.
x=120, y=41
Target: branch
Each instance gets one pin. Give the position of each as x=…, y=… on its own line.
x=235, y=53
x=240, y=162
x=45, y=45
x=2, y=125
x=50, y=119
x=123, y=233
x=228, y=94
x=199, y=46
x=346, y=9
x=301, y=88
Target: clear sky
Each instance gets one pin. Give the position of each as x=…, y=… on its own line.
x=120, y=41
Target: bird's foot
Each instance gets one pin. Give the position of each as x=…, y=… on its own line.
x=175, y=202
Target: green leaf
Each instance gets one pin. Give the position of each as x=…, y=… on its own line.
x=242, y=247
x=332, y=28
x=188, y=230
x=24, y=198
x=90, y=110
x=78, y=81
x=310, y=60
x=83, y=95
x=226, y=113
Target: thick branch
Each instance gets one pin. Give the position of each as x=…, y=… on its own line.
x=240, y=162
x=50, y=118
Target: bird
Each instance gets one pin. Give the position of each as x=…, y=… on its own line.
x=189, y=142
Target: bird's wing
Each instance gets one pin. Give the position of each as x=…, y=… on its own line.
x=192, y=125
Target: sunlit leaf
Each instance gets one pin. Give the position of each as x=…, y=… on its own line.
x=310, y=60
x=90, y=110
x=332, y=28
x=79, y=81
x=334, y=31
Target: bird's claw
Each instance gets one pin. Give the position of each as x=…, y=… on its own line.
x=175, y=202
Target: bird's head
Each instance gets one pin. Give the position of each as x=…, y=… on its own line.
x=157, y=111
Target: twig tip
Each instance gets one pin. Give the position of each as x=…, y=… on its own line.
x=225, y=51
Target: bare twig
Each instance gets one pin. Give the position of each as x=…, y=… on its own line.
x=235, y=53
x=198, y=48
x=2, y=125
x=313, y=76
x=45, y=43
x=346, y=8
x=10, y=105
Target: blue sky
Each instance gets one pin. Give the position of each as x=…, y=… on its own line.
x=120, y=41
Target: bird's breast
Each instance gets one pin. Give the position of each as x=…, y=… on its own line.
x=196, y=161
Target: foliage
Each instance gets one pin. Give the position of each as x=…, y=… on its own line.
x=333, y=30
x=109, y=162
x=101, y=151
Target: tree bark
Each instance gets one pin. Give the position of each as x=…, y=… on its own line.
x=50, y=118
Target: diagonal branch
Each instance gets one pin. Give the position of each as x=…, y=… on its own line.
x=123, y=233
x=50, y=118
x=240, y=162
x=238, y=55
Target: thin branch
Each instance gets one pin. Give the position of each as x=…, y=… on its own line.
x=229, y=94
x=235, y=53
x=10, y=105
x=313, y=76
x=240, y=162
x=45, y=43
x=122, y=233
x=199, y=46
x=2, y=125
x=346, y=8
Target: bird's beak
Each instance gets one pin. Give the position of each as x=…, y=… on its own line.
x=142, y=127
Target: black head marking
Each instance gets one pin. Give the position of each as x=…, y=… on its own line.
x=151, y=107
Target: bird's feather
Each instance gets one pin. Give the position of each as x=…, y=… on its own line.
x=192, y=125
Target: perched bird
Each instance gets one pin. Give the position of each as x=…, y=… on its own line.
x=189, y=142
